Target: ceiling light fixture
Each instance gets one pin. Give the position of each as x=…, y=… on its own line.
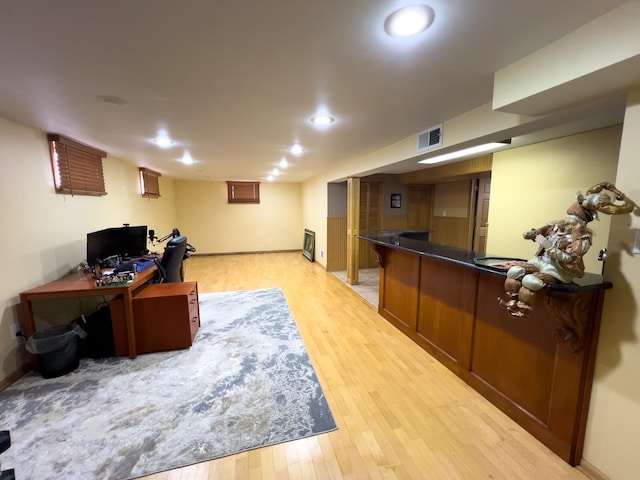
x=322, y=120
x=163, y=140
x=270, y=178
x=296, y=149
x=408, y=21
x=467, y=152
x=113, y=100
x=283, y=163
x=187, y=159
x=275, y=172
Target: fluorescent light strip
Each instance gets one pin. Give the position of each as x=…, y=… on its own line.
x=463, y=153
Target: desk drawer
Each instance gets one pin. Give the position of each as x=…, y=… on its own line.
x=166, y=317
x=194, y=311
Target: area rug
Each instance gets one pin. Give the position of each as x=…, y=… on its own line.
x=246, y=382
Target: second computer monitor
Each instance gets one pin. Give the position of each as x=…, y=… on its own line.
x=122, y=241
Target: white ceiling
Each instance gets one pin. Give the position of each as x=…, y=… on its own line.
x=235, y=82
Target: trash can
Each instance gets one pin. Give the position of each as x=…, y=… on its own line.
x=57, y=349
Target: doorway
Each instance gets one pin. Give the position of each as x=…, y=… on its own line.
x=481, y=230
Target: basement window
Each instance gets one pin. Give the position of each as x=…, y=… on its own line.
x=77, y=168
x=243, y=192
x=149, y=184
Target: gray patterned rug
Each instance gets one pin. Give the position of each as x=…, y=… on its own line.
x=246, y=382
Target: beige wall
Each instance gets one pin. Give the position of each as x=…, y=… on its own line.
x=44, y=234
x=315, y=211
x=533, y=185
x=214, y=226
x=612, y=442
x=451, y=199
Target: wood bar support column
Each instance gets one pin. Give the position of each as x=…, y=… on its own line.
x=353, y=230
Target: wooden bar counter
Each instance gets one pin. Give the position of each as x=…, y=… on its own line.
x=538, y=370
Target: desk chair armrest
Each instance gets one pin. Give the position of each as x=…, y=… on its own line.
x=162, y=273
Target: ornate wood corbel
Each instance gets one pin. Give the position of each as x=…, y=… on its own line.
x=572, y=312
x=379, y=252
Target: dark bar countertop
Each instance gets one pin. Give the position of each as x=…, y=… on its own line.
x=407, y=241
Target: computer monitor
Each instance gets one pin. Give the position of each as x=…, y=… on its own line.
x=123, y=241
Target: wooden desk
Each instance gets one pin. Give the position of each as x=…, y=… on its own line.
x=80, y=285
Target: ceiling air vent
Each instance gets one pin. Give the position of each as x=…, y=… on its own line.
x=430, y=138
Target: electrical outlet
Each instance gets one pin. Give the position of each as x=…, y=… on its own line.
x=15, y=330
x=321, y=253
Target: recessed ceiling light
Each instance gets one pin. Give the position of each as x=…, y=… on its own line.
x=187, y=159
x=163, y=140
x=322, y=120
x=275, y=172
x=409, y=21
x=296, y=149
x=283, y=163
x=270, y=178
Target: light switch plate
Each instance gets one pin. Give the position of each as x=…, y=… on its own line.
x=14, y=331
x=636, y=244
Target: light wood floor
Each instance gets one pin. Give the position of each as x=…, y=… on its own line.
x=400, y=413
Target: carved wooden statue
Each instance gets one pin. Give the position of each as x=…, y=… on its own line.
x=561, y=246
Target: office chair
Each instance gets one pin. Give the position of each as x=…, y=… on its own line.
x=169, y=267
